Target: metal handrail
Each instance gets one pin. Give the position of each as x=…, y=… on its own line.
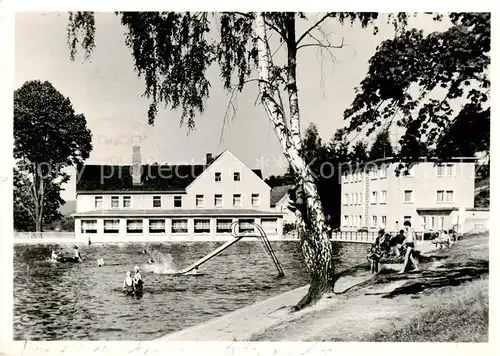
x=262, y=237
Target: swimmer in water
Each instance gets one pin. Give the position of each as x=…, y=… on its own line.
x=128, y=284
x=151, y=261
x=54, y=255
x=138, y=282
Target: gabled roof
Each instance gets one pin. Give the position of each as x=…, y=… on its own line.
x=165, y=178
x=278, y=193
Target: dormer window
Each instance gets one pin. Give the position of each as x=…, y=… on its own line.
x=98, y=202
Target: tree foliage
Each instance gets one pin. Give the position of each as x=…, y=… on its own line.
x=414, y=80
x=280, y=180
x=24, y=208
x=172, y=51
x=48, y=137
x=382, y=146
x=359, y=152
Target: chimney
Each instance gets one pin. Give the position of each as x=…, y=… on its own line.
x=209, y=158
x=136, y=171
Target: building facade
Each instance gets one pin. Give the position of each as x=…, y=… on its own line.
x=430, y=195
x=280, y=202
x=163, y=202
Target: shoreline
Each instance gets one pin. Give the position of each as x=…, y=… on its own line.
x=360, y=315
x=62, y=240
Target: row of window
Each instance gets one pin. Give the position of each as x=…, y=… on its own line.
x=431, y=222
x=178, y=226
x=356, y=221
x=357, y=176
x=442, y=170
x=218, y=176
x=442, y=196
x=157, y=201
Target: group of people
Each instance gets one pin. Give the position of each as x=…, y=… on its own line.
x=58, y=257
x=133, y=285
x=445, y=238
x=387, y=246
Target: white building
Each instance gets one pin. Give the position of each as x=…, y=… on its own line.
x=280, y=202
x=162, y=202
x=430, y=196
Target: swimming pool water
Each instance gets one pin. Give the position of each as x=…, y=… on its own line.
x=84, y=301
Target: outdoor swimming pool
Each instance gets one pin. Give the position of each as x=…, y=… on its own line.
x=84, y=301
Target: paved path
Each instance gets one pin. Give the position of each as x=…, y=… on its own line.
x=238, y=325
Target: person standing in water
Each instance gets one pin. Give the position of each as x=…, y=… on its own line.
x=128, y=284
x=138, y=282
x=409, y=243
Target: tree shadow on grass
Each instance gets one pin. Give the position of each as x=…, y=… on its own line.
x=448, y=274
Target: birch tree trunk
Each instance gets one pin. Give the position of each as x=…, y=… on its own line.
x=316, y=245
x=38, y=191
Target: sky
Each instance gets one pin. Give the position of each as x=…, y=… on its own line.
x=109, y=93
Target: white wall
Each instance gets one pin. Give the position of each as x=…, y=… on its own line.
x=249, y=183
x=424, y=182
x=282, y=206
x=476, y=221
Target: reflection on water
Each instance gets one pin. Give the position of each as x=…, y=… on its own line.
x=83, y=301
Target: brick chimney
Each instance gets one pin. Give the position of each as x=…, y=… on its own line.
x=136, y=170
x=209, y=158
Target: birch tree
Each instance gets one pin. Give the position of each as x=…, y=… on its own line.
x=172, y=52
x=48, y=137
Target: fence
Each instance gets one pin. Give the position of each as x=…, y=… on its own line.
x=354, y=236
x=363, y=236
x=348, y=236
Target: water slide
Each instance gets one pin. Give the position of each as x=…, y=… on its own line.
x=237, y=237
x=210, y=255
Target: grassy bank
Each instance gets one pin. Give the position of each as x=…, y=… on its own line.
x=452, y=313
x=464, y=318
x=447, y=302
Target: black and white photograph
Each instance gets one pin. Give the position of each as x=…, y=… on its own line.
x=249, y=176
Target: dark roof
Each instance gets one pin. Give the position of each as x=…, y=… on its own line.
x=165, y=178
x=277, y=193
x=177, y=212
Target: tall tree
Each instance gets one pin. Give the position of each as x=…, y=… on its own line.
x=323, y=165
x=24, y=209
x=172, y=52
x=420, y=78
x=48, y=136
x=276, y=181
x=359, y=152
x=382, y=146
